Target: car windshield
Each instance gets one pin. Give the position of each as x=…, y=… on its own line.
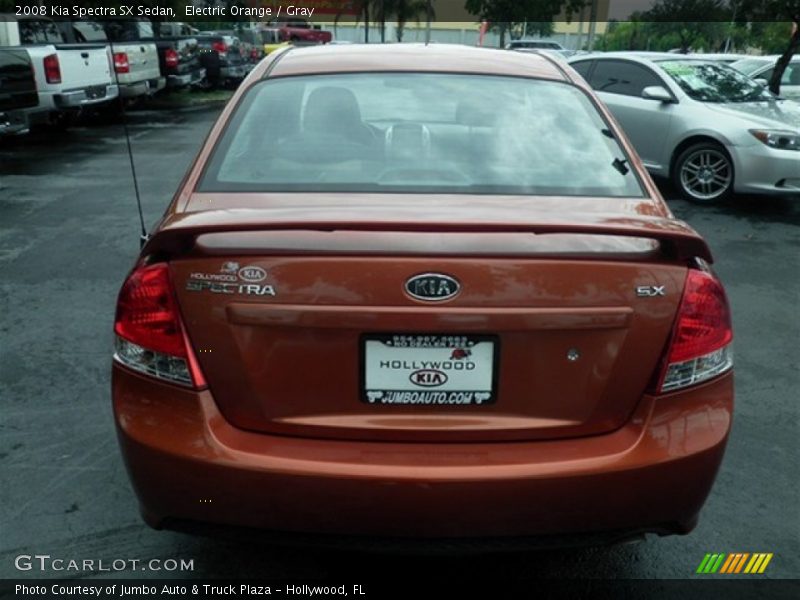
x=419, y=132
x=711, y=82
x=748, y=66
x=551, y=45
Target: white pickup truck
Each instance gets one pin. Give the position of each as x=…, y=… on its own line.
x=69, y=77
x=134, y=51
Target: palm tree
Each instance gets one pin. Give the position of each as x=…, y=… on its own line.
x=363, y=7
x=407, y=10
x=382, y=8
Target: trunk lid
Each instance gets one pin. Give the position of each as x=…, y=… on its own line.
x=294, y=319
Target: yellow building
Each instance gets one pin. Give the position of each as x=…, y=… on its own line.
x=462, y=27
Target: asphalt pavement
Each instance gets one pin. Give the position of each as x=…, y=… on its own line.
x=69, y=234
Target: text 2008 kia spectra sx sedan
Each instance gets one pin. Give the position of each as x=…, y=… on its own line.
x=422, y=292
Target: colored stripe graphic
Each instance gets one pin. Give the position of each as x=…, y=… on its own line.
x=703, y=563
x=741, y=562
x=753, y=563
x=764, y=564
x=756, y=563
x=711, y=563
x=731, y=559
x=735, y=564
x=716, y=565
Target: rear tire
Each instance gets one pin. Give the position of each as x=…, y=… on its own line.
x=703, y=173
x=62, y=120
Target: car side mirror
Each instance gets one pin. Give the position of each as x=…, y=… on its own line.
x=763, y=82
x=656, y=92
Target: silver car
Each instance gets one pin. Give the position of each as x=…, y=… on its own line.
x=718, y=57
x=526, y=45
x=708, y=127
x=760, y=68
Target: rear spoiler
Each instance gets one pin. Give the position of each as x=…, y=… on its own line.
x=177, y=233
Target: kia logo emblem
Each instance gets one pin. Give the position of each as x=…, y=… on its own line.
x=252, y=274
x=428, y=377
x=432, y=287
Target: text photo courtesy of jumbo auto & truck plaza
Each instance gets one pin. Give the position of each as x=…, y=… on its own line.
x=399, y=298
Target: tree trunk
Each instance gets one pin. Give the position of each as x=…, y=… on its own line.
x=383, y=21
x=366, y=22
x=784, y=60
x=686, y=44
x=503, y=27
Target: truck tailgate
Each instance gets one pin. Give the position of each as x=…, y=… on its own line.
x=143, y=61
x=17, y=81
x=84, y=65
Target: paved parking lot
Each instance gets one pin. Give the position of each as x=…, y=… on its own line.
x=68, y=235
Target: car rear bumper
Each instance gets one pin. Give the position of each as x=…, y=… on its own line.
x=13, y=123
x=85, y=97
x=187, y=462
x=762, y=170
x=233, y=72
x=178, y=81
x=143, y=88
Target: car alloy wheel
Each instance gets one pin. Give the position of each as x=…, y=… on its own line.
x=704, y=173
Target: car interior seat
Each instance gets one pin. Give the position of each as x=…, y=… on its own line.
x=335, y=111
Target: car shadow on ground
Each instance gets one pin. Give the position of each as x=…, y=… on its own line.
x=227, y=557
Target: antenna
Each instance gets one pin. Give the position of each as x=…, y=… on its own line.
x=143, y=236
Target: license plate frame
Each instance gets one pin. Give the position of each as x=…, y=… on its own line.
x=395, y=386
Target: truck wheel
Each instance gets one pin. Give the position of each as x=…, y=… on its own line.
x=62, y=120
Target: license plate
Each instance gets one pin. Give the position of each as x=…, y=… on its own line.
x=434, y=370
x=96, y=92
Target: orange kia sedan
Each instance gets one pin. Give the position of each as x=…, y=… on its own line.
x=412, y=291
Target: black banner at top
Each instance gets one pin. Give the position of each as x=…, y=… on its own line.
x=377, y=11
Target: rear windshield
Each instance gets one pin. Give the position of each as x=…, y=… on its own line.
x=87, y=31
x=126, y=30
x=32, y=31
x=419, y=132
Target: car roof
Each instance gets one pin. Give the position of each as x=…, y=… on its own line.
x=414, y=57
x=774, y=57
x=533, y=41
x=717, y=55
x=642, y=57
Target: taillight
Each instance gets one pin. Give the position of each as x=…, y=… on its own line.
x=220, y=47
x=700, y=347
x=171, y=58
x=150, y=337
x=121, y=64
x=254, y=54
x=52, y=70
